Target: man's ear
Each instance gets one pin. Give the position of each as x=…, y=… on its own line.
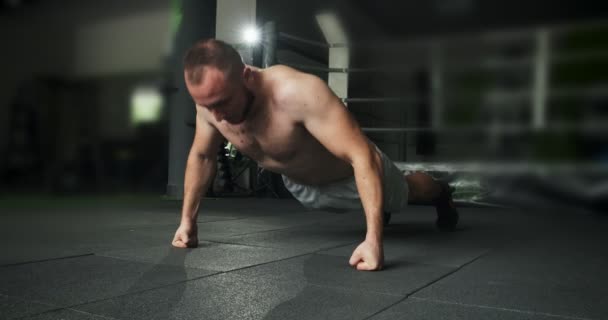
x=246, y=73
x=248, y=76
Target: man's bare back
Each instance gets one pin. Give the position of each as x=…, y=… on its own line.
x=270, y=136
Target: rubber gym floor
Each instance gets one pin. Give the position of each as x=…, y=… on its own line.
x=111, y=258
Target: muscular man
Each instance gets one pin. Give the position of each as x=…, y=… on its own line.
x=291, y=123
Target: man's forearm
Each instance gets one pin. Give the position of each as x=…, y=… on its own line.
x=199, y=174
x=368, y=175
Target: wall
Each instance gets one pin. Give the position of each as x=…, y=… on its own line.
x=73, y=38
x=126, y=44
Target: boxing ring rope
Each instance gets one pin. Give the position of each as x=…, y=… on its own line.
x=344, y=70
x=501, y=129
x=288, y=37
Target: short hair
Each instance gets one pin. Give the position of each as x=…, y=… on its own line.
x=215, y=53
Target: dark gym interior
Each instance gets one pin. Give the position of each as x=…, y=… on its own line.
x=507, y=101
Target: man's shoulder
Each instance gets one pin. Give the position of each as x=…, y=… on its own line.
x=291, y=86
x=281, y=70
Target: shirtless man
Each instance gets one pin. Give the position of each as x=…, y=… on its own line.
x=291, y=123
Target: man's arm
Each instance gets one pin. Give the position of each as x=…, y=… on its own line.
x=200, y=170
x=326, y=118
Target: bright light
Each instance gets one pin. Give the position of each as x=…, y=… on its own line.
x=146, y=105
x=251, y=35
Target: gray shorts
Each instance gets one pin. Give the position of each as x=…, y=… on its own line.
x=343, y=195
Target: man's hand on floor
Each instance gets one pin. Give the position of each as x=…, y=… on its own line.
x=368, y=256
x=186, y=236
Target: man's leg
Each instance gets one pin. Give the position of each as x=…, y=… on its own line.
x=425, y=190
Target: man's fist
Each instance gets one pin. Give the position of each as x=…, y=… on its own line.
x=368, y=256
x=186, y=236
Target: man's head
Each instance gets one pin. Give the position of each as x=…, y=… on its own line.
x=217, y=79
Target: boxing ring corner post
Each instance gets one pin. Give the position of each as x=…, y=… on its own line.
x=269, y=44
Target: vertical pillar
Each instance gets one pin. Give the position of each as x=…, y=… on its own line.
x=269, y=44
x=196, y=21
x=339, y=54
x=233, y=16
x=540, y=79
x=436, y=86
x=338, y=81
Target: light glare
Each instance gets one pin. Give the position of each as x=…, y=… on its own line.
x=146, y=105
x=251, y=35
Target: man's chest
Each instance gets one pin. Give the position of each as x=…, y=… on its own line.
x=267, y=138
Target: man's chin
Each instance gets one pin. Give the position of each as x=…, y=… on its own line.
x=235, y=120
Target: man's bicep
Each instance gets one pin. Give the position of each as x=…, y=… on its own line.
x=207, y=138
